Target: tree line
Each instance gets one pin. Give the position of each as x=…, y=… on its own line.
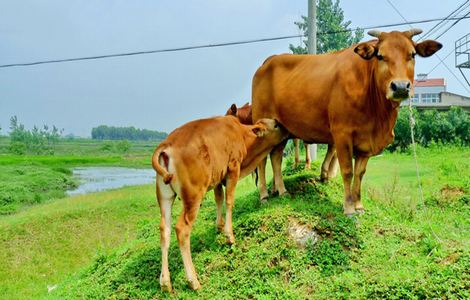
x=431, y=126
x=104, y=132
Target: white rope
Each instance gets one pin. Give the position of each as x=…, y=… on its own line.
x=420, y=188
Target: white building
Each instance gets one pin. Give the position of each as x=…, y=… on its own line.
x=432, y=94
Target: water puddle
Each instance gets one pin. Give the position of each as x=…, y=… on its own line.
x=96, y=179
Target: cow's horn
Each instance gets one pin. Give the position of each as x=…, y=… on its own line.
x=413, y=31
x=374, y=33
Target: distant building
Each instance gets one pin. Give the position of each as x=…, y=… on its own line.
x=432, y=94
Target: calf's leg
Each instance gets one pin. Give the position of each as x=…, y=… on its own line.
x=263, y=191
x=166, y=197
x=308, y=158
x=231, y=184
x=333, y=168
x=296, y=153
x=219, y=201
x=191, y=203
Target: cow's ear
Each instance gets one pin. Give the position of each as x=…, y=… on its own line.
x=427, y=48
x=365, y=50
x=259, y=130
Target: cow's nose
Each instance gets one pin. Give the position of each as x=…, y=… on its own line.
x=400, y=88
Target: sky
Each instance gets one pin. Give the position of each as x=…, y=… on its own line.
x=163, y=91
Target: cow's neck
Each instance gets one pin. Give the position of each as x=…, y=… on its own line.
x=256, y=151
x=383, y=112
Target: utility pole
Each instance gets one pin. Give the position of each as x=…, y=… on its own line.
x=312, y=49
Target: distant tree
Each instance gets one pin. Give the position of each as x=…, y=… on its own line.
x=104, y=132
x=39, y=141
x=330, y=17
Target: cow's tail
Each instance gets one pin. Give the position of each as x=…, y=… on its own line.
x=167, y=177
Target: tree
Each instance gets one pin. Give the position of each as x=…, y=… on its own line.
x=330, y=17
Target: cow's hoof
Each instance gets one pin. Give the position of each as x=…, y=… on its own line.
x=264, y=199
x=166, y=286
x=230, y=240
x=285, y=194
x=360, y=211
x=351, y=215
x=194, y=284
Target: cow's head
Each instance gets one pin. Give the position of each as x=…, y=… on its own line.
x=242, y=113
x=394, y=53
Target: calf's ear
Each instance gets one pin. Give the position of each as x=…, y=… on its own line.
x=259, y=130
x=365, y=50
x=427, y=48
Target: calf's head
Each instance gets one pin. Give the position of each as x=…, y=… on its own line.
x=395, y=53
x=270, y=130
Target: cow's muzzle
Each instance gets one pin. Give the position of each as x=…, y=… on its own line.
x=400, y=89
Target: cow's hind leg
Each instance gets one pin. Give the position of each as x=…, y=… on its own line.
x=219, y=201
x=330, y=154
x=191, y=203
x=166, y=197
x=276, y=162
x=360, y=164
x=333, y=168
x=232, y=179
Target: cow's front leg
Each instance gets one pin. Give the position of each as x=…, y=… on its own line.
x=276, y=162
x=344, y=151
x=360, y=164
x=263, y=191
x=232, y=179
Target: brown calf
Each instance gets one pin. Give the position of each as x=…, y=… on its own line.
x=199, y=156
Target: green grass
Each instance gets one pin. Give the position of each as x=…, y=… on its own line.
x=399, y=249
x=106, y=245
x=43, y=244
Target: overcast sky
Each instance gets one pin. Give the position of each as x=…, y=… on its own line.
x=163, y=91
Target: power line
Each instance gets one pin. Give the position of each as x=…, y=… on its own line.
x=453, y=24
x=443, y=22
x=215, y=45
x=437, y=55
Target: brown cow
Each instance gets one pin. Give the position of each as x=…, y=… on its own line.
x=348, y=98
x=199, y=156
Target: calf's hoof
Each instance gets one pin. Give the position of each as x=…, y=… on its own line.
x=194, y=284
x=285, y=194
x=166, y=286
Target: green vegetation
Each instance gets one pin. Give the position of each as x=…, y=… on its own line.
x=431, y=126
x=43, y=244
x=401, y=248
x=330, y=17
x=104, y=132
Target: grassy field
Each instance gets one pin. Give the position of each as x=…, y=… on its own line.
x=106, y=245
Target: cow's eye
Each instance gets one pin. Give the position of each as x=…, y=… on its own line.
x=380, y=57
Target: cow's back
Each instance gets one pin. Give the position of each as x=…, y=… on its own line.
x=300, y=91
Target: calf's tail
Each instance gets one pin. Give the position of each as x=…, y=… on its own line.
x=167, y=177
